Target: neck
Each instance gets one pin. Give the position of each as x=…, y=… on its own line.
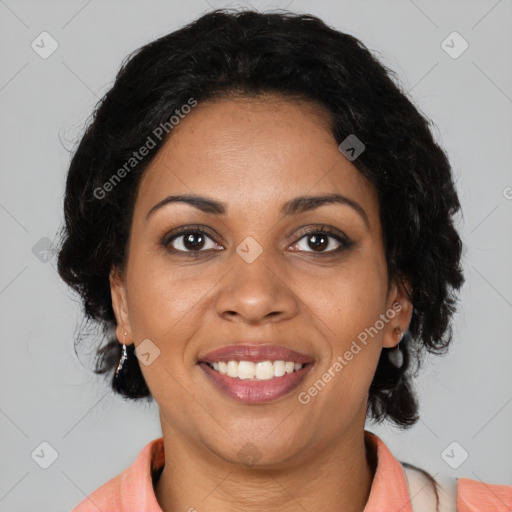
x=335, y=478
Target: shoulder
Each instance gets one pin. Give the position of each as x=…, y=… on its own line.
x=130, y=490
x=455, y=494
x=475, y=496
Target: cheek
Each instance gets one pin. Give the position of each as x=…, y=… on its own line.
x=351, y=308
x=165, y=307
x=350, y=305
x=350, y=300
x=161, y=299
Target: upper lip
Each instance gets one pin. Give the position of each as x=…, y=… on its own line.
x=255, y=353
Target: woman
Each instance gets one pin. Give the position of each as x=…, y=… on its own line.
x=260, y=217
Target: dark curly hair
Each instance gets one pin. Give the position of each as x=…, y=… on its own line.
x=245, y=53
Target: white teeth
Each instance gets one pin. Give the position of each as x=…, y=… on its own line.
x=279, y=368
x=262, y=370
x=232, y=370
x=289, y=366
x=246, y=370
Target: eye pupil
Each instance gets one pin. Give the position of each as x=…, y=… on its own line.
x=193, y=241
x=318, y=241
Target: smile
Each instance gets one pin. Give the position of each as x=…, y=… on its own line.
x=249, y=389
x=255, y=373
x=249, y=370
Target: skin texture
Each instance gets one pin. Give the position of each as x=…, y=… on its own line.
x=254, y=155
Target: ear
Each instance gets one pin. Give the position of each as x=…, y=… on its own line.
x=399, y=312
x=120, y=305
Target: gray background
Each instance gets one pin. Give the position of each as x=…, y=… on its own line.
x=49, y=395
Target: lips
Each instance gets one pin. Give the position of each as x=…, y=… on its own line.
x=255, y=353
x=254, y=391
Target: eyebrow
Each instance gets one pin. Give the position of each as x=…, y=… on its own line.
x=295, y=206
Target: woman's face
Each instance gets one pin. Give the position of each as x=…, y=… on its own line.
x=264, y=272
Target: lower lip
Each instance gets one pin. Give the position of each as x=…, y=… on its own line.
x=256, y=391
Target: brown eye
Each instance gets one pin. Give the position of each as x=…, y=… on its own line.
x=322, y=241
x=193, y=241
x=318, y=242
x=190, y=241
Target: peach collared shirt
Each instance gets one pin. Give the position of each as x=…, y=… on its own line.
x=132, y=490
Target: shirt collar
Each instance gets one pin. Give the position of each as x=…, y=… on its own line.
x=388, y=491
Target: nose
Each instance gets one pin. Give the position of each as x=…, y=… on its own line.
x=256, y=293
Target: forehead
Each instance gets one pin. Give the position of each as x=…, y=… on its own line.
x=257, y=152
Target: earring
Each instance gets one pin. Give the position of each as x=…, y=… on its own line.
x=396, y=356
x=123, y=359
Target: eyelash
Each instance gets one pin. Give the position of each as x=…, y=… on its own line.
x=343, y=240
